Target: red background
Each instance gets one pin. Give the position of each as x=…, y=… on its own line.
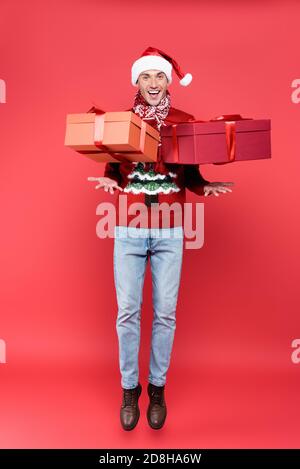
x=231, y=382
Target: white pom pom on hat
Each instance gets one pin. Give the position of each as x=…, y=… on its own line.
x=186, y=80
x=155, y=59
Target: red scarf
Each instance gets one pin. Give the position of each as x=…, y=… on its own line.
x=147, y=112
x=157, y=115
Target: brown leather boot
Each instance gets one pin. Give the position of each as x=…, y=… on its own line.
x=157, y=409
x=130, y=412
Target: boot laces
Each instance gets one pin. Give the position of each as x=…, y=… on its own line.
x=129, y=395
x=157, y=396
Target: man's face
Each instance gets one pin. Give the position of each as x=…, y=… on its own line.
x=153, y=85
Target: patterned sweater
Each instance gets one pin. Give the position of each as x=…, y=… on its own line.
x=141, y=182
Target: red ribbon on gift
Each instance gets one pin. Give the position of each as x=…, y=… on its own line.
x=99, y=132
x=230, y=132
x=175, y=144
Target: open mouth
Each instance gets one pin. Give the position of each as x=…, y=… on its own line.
x=153, y=93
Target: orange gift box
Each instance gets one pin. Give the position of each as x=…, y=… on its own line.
x=112, y=136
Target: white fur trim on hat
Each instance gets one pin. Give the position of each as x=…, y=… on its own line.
x=150, y=62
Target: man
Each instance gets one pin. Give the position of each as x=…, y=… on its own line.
x=151, y=184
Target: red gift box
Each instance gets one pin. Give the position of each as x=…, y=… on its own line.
x=221, y=140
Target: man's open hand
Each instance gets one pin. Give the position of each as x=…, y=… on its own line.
x=216, y=187
x=107, y=183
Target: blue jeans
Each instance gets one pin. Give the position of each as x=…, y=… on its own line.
x=132, y=248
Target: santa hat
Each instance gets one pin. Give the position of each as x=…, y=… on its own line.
x=155, y=59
